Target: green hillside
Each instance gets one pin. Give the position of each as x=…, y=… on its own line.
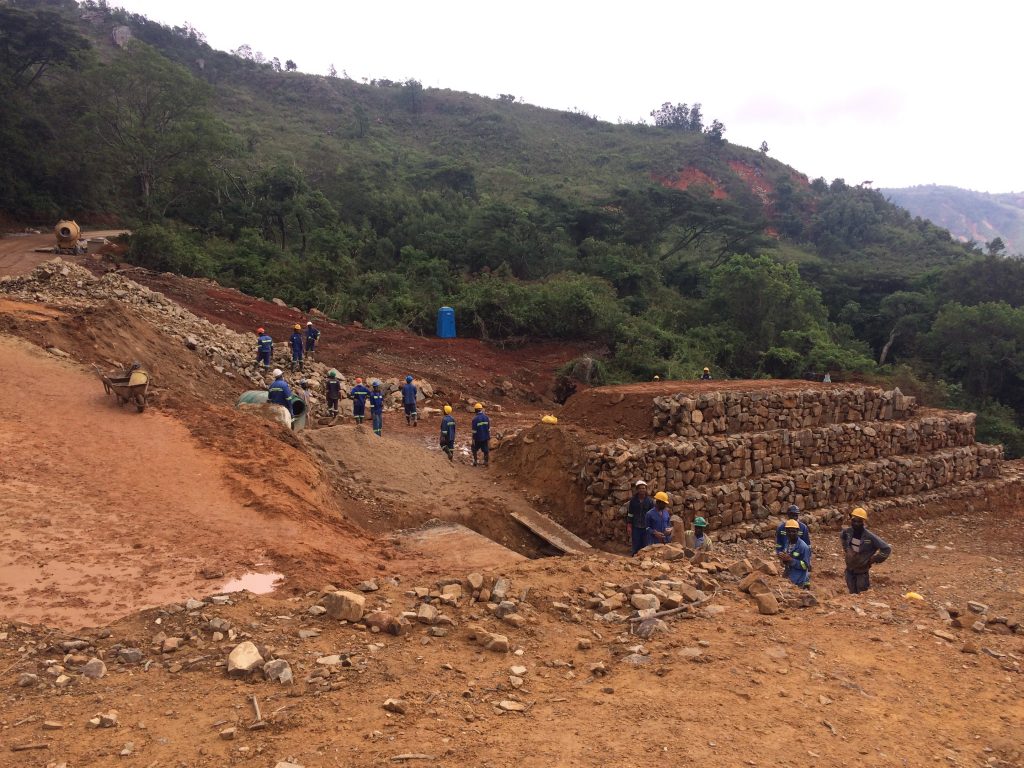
x=664, y=245
x=970, y=216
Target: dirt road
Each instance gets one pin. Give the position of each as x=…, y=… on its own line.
x=18, y=256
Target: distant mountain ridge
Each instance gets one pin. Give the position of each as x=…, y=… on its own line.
x=968, y=215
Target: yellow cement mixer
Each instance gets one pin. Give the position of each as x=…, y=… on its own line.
x=69, y=238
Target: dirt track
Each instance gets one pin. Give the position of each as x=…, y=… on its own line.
x=17, y=254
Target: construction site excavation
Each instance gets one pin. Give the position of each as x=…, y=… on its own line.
x=210, y=580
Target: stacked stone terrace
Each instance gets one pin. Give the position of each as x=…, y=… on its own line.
x=740, y=458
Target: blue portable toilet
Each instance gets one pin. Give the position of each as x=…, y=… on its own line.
x=446, y=323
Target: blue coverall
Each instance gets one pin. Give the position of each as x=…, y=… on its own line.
x=799, y=570
x=296, y=341
x=312, y=336
x=377, y=411
x=359, y=393
x=264, y=349
x=279, y=393
x=781, y=540
x=409, y=400
x=658, y=520
x=482, y=437
x=636, y=513
x=448, y=436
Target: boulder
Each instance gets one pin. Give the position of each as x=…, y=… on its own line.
x=244, y=659
x=344, y=606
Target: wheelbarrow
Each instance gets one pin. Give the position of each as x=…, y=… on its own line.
x=128, y=386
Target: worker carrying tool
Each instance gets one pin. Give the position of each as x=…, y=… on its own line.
x=264, y=348
x=659, y=521
x=359, y=394
x=481, y=434
x=862, y=549
x=796, y=555
x=297, y=348
x=377, y=408
x=636, y=510
x=409, y=401
x=448, y=433
x=793, y=513
x=333, y=393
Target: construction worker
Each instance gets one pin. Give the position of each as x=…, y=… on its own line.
x=279, y=393
x=701, y=540
x=862, y=549
x=706, y=376
x=409, y=401
x=796, y=555
x=264, y=348
x=359, y=393
x=636, y=515
x=481, y=434
x=297, y=348
x=448, y=433
x=658, y=521
x=793, y=513
x=333, y=393
x=312, y=337
x=377, y=408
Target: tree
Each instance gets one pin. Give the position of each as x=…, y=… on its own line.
x=362, y=120
x=672, y=116
x=716, y=132
x=275, y=63
x=764, y=147
x=290, y=66
x=331, y=71
x=244, y=51
x=995, y=247
x=33, y=41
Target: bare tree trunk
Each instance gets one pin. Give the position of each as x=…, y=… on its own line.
x=888, y=345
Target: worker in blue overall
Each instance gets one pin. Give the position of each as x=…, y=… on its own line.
x=279, y=393
x=793, y=513
x=659, y=521
x=409, y=401
x=377, y=408
x=359, y=393
x=297, y=348
x=796, y=556
x=264, y=348
x=636, y=515
x=481, y=426
x=312, y=337
x=448, y=433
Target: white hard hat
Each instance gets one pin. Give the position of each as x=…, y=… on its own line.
x=640, y=482
x=278, y=372
x=309, y=322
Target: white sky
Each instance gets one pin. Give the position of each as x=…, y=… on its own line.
x=900, y=92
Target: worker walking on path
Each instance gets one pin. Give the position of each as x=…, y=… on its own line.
x=448, y=433
x=659, y=521
x=333, y=393
x=481, y=434
x=409, y=401
x=312, y=337
x=297, y=348
x=359, y=393
x=264, y=348
x=377, y=408
x=279, y=393
x=862, y=549
x=796, y=555
x=636, y=515
x=793, y=513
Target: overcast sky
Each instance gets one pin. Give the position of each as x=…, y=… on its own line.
x=899, y=92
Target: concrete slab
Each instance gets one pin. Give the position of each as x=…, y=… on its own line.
x=557, y=536
x=457, y=544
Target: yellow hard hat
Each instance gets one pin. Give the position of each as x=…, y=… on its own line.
x=297, y=327
x=791, y=523
x=860, y=512
x=478, y=406
x=662, y=496
x=707, y=370
x=448, y=409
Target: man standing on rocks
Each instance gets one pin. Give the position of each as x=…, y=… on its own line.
x=793, y=513
x=658, y=521
x=862, y=549
x=333, y=393
x=377, y=408
x=796, y=555
x=279, y=393
x=409, y=401
x=359, y=393
x=264, y=348
x=296, y=341
x=312, y=337
x=448, y=433
x=481, y=434
x=636, y=515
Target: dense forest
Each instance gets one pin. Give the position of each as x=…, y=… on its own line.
x=663, y=244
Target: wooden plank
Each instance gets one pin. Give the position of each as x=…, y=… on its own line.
x=560, y=538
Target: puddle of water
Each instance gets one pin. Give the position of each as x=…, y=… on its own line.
x=257, y=583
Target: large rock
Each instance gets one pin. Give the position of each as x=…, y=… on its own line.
x=244, y=659
x=645, y=602
x=345, y=606
x=278, y=671
x=766, y=603
x=94, y=669
x=754, y=584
